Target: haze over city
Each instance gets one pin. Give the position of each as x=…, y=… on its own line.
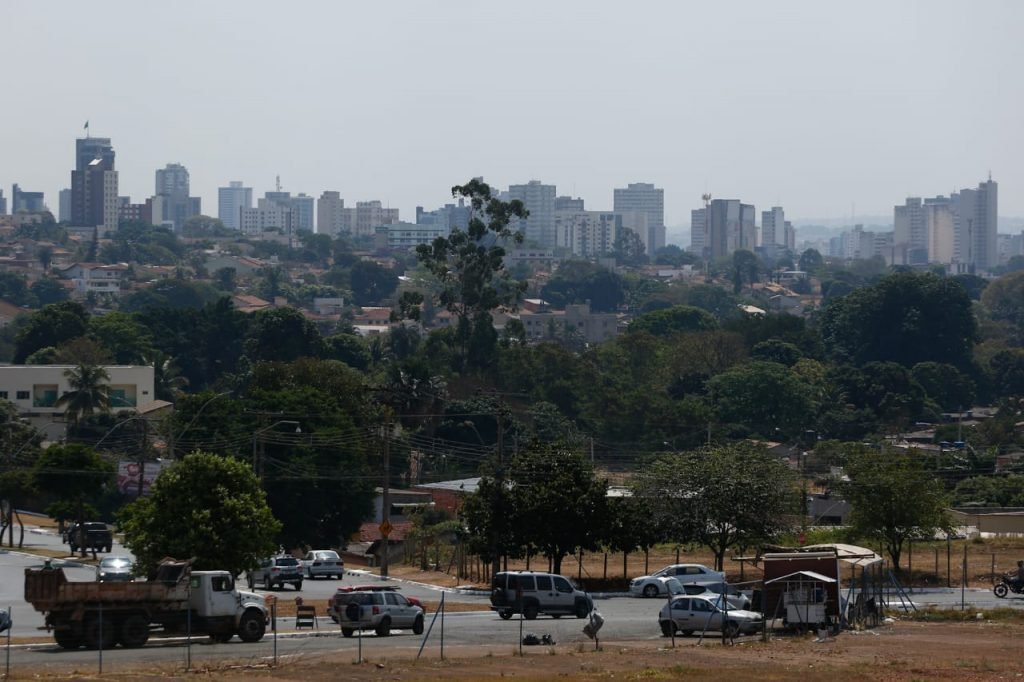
x=830, y=111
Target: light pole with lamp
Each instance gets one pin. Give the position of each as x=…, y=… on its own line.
x=257, y=443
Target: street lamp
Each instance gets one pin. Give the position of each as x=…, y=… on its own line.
x=257, y=453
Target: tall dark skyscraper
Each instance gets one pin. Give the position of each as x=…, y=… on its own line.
x=94, y=200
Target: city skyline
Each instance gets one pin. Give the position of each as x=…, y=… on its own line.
x=830, y=112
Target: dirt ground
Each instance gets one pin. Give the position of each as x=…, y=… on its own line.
x=981, y=650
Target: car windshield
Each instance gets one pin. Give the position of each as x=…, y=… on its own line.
x=287, y=561
x=115, y=562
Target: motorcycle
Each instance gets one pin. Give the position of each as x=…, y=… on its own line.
x=1006, y=585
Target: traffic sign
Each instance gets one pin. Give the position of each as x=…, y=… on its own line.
x=385, y=528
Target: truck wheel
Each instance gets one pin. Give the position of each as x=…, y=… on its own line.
x=505, y=614
x=297, y=584
x=251, y=626
x=67, y=639
x=134, y=632
x=96, y=637
x=417, y=625
x=383, y=628
x=530, y=611
x=582, y=610
x=347, y=632
x=108, y=548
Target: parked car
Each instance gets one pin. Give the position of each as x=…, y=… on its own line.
x=684, y=573
x=93, y=535
x=697, y=614
x=737, y=600
x=368, y=588
x=374, y=609
x=114, y=568
x=532, y=593
x=275, y=572
x=323, y=562
x=654, y=586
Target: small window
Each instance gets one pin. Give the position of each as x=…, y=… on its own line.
x=562, y=585
x=681, y=605
x=394, y=599
x=544, y=582
x=526, y=583
x=22, y=395
x=3, y=395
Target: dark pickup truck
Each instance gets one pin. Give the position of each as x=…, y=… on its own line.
x=92, y=535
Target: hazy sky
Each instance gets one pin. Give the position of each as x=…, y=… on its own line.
x=819, y=105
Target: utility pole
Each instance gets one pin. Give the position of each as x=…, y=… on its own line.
x=385, y=524
x=142, y=456
x=499, y=479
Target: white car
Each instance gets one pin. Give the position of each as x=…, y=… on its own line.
x=698, y=614
x=737, y=600
x=323, y=562
x=649, y=586
x=654, y=586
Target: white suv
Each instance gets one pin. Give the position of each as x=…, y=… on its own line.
x=532, y=593
x=379, y=611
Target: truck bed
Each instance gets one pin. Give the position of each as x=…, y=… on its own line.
x=50, y=590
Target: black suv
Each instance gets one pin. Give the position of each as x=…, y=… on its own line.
x=92, y=535
x=276, y=571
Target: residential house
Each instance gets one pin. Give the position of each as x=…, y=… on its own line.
x=35, y=389
x=98, y=278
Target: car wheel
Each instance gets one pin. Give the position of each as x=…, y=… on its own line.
x=505, y=614
x=666, y=628
x=732, y=629
x=134, y=632
x=651, y=590
x=530, y=611
x=417, y=625
x=383, y=628
x=251, y=626
x=582, y=610
x=347, y=632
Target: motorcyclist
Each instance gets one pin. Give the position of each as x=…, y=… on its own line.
x=1017, y=577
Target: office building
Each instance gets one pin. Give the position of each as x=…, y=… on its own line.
x=647, y=199
x=370, y=215
x=698, y=231
x=27, y=202
x=300, y=205
x=268, y=215
x=172, y=183
x=450, y=216
x=975, y=214
x=590, y=234
x=230, y=202
x=773, y=231
x=94, y=201
x=729, y=226
x=64, y=206
x=404, y=236
x=569, y=204
x=539, y=200
x=910, y=234
x=331, y=215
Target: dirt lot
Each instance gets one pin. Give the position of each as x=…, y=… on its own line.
x=981, y=650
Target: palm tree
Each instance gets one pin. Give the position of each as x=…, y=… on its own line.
x=89, y=393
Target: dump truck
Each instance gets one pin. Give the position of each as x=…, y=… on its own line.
x=177, y=601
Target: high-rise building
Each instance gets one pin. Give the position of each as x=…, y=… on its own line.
x=64, y=206
x=909, y=234
x=975, y=214
x=450, y=216
x=301, y=206
x=269, y=214
x=539, y=200
x=730, y=226
x=172, y=183
x=648, y=199
x=940, y=228
x=331, y=215
x=773, y=231
x=230, y=202
x=371, y=215
x=590, y=234
x=3, y=203
x=569, y=204
x=94, y=201
x=29, y=202
x=698, y=231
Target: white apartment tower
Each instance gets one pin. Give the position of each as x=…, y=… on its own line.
x=230, y=202
x=773, y=230
x=698, y=231
x=331, y=215
x=975, y=229
x=539, y=200
x=910, y=234
x=650, y=200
